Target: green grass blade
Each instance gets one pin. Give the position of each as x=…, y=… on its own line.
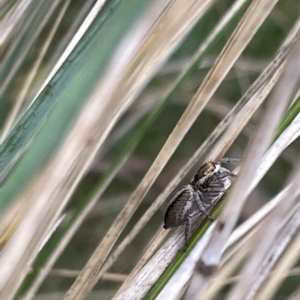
x=59, y=102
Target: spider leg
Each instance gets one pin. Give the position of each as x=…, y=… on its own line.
x=202, y=208
x=188, y=225
x=215, y=190
x=228, y=160
x=226, y=174
x=188, y=231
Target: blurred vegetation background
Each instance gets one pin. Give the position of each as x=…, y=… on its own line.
x=26, y=62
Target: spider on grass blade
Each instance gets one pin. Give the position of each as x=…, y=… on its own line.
x=206, y=188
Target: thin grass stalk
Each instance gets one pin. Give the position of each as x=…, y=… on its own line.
x=151, y=249
x=95, y=10
x=282, y=142
x=260, y=81
x=277, y=104
x=207, y=44
x=146, y=278
x=58, y=180
x=293, y=272
x=91, y=271
x=255, y=220
x=170, y=186
x=87, y=207
x=27, y=47
x=255, y=238
x=229, y=265
x=288, y=142
x=222, y=146
x=74, y=273
x=178, y=244
x=21, y=95
x=44, y=102
x=247, y=235
x=80, y=216
x=85, y=11
x=267, y=238
x=290, y=116
x=175, y=287
x=48, y=265
x=66, y=273
x=221, y=127
x=78, y=220
x=287, y=137
x=237, y=252
x=11, y=18
x=13, y=25
x=242, y=119
x=282, y=244
x=172, y=26
x=243, y=286
x=282, y=240
x=143, y=115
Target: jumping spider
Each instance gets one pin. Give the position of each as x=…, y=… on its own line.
x=206, y=188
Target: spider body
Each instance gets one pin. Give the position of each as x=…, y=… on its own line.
x=205, y=189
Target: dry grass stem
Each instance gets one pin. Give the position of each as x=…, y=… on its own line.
x=229, y=265
x=134, y=83
x=274, y=65
x=11, y=19
x=177, y=284
x=21, y=95
x=268, y=234
x=162, y=197
x=256, y=218
x=287, y=246
x=77, y=36
x=68, y=236
x=60, y=178
x=276, y=106
x=234, y=130
x=156, y=80
x=29, y=44
x=161, y=235
x=75, y=273
x=258, y=98
x=153, y=269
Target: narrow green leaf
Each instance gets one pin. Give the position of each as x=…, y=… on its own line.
x=290, y=115
x=58, y=104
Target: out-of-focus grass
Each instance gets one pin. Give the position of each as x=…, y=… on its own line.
x=86, y=63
